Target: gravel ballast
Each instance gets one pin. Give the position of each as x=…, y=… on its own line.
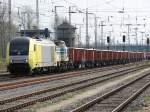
x=79, y=99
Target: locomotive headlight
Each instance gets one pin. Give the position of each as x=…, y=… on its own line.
x=26, y=60
x=11, y=61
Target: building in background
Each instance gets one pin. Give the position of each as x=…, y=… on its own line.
x=66, y=33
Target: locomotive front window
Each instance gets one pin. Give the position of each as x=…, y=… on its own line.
x=19, y=47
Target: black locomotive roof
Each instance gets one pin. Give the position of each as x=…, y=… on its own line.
x=33, y=33
x=21, y=40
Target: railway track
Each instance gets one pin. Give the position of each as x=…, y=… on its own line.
x=21, y=101
x=117, y=99
x=4, y=73
x=6, y=77
x=43, y=79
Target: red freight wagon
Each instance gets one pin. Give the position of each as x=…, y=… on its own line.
x=112, y=55
x=115, y=55
x=71, y=54
x=135, y=55
x=104, y=55
x=97, y=55
x=138, y=55
x=109, y=56
x=147, y=55
x=142, y=55
x=100, y=55
x=125, y=55
x=97, y=58
x=132, y=55
x=128, y=55
x=119, y=55
x=122, y=55
x=89, y=54
x=77, y=54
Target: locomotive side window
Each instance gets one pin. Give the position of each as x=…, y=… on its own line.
x=19, y=46
x=34, y=47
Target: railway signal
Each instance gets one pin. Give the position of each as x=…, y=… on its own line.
x=108, y=39
x=148, y=44
x=147, y=41
x=124, y=38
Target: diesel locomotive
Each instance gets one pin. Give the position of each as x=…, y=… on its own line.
x=33, y=55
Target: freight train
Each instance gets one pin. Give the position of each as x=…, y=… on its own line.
x=35, y=55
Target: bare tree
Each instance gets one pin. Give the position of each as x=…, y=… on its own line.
x=27, y=18
x=4, y=28
x=3, y=10
x=30, y=18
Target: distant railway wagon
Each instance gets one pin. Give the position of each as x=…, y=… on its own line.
x=104, y=57
x=36, y=55
x=89, y=57
x=97, y=57
x=77, y=57
x=132, y=56
x=142, y=55
x=147, y=55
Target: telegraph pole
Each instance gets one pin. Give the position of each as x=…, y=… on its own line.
x=142, y=37
x=102, y=25
x=37, y=13
x=95, y=32
x=55, y=11
x=79, y=36
x=70, y=15
x=87, y=35
x=128, y=25
x=56, y=16
x=136, y=29
x=56, y=20
x=9, y=12
x=129, y=40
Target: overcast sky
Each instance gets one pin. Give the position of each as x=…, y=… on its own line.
x=102, y=8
